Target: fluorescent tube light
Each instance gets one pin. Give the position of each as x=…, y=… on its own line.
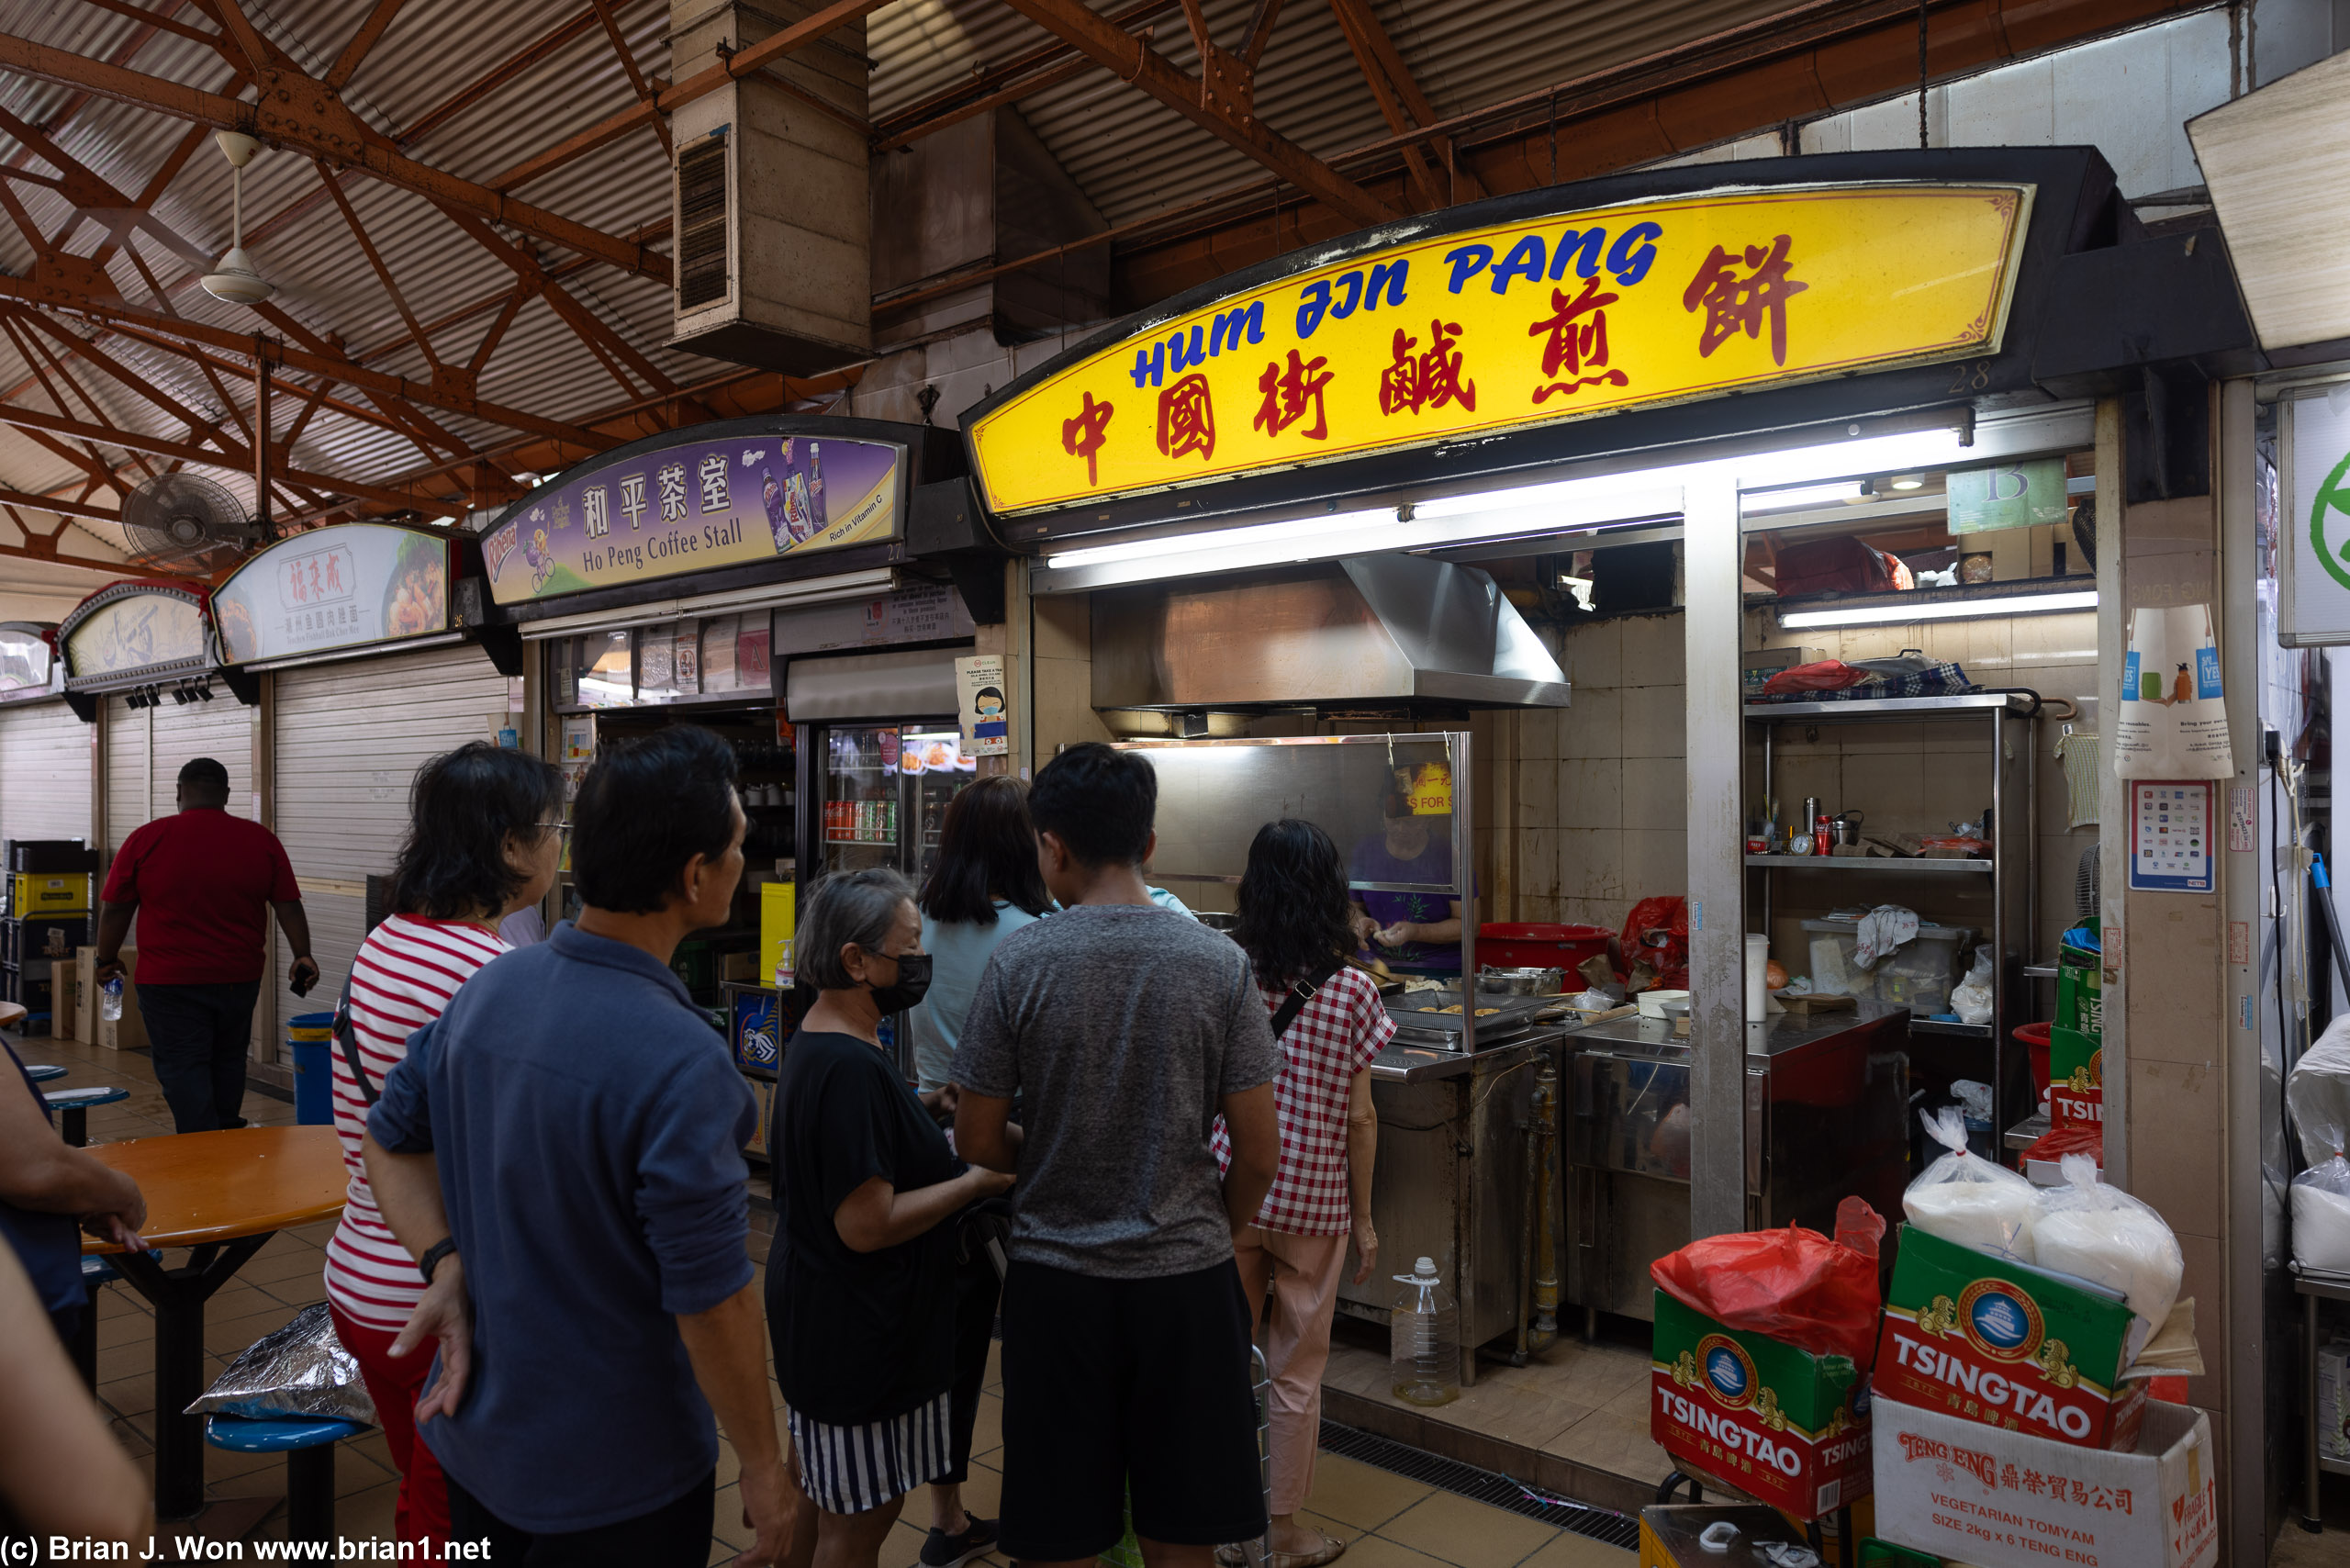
x=1560, y=506
x=1939, y=609
x=1251, y=540
x=1802, y=495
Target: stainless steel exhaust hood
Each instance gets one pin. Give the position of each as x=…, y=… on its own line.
x=1370, y=630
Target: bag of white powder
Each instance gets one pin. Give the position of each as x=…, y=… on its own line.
x=2321, y=1216
x=2318, y=1093
x=2103, y=1235
x=1964, y=1198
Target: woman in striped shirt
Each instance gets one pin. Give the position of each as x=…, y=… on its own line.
x=482, y=842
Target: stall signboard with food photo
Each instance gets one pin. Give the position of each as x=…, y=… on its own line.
x=654, y=512
x=334, y=588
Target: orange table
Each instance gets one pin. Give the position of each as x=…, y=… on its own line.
x=223, y=1194
x=11, y=1015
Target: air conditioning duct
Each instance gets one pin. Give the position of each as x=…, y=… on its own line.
x=769, y=194
x=977, y=192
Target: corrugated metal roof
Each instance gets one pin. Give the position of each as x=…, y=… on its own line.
x=1133, y=155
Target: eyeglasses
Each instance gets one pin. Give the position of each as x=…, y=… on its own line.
x=562, y=828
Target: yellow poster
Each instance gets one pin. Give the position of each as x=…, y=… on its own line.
x=1522, y=324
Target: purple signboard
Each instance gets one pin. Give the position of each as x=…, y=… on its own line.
x=692, y=507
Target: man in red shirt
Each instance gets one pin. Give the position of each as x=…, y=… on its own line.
x=202, y=881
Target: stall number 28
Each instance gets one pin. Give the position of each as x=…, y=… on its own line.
x=1971, y=375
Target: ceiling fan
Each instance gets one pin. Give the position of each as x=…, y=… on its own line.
x=235, y=280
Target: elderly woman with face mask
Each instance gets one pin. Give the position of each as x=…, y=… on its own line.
x=860, y=1299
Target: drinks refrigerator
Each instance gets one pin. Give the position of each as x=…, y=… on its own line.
x=875, y=794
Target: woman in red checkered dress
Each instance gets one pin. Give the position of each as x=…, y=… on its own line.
x=1294, y=925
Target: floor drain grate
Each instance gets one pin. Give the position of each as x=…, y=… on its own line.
x=1480, y=1486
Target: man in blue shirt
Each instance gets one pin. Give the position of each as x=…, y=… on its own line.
x=561, y=1151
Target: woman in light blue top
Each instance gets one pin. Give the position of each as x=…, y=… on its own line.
x=983, y=886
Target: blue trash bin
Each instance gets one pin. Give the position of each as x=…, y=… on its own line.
x=311, y=1037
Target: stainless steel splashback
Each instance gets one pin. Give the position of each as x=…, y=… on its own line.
x=1389, y=628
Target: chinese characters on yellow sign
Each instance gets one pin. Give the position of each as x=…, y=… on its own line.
x=1522, y=324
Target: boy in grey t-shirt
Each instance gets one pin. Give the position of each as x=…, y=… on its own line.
x=1127, y=1029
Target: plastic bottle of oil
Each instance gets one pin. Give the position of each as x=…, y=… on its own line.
x=1424, y=1340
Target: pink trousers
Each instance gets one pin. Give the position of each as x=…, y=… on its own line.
x=1304, y=1273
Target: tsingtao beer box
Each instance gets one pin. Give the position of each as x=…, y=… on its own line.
x=2075, y=1078
x=1983, y=1339
x=1777, y=1423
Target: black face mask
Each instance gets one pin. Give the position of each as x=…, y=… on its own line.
x=913, y=984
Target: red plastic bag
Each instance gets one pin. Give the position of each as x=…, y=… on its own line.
x=1657, y=934
x=1828, y=674
x=1795, y=1286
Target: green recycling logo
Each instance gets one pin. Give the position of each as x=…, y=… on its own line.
x=2332, y=500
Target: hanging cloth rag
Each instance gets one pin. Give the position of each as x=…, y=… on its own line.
x=2084, y=761
x=1882, y=930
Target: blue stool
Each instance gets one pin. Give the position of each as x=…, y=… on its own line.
x=42, y=1072
x=308, y=1442
x=96, y=1272
x=74, y=1107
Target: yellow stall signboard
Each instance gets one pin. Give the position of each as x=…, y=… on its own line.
x=1522, y=324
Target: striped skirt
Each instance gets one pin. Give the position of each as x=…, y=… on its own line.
x=849, y=1470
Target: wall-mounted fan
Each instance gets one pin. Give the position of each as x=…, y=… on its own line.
x=185, y=523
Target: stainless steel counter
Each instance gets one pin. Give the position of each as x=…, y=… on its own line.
x=1417, y=1064
x=1775, y=1036
x=1825, y=1109
x=1451, y=1181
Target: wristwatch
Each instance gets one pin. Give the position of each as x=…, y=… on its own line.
x=432, y=1256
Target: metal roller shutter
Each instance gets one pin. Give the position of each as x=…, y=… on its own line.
x=44, y=772
x=350, y=739
x=222, y=730
x=174, y=735
x=125, y=782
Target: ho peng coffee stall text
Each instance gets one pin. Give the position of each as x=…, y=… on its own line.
x=801, y=585
x=1274, y=487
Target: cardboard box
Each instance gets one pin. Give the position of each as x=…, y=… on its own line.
x=129, y=1033
x=1774, y=1422
x=2005, y=1345
x=64, y=986
x=2333, y=1400
x=2000, y=1499
x=763, y=1095
x=2080, y=987
x=2075, y=1078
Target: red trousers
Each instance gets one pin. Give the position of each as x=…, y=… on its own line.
x=395, y=1384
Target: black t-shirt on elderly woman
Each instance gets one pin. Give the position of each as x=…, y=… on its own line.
x=858, y=1336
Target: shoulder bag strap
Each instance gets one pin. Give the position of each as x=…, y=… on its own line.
x=346, y=1037
x=1299, y=995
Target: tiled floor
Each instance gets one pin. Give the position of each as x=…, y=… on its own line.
x=1391, y=1522
x=1585, y=1403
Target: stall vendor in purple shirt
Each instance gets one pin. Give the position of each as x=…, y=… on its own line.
x=1419, y=932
